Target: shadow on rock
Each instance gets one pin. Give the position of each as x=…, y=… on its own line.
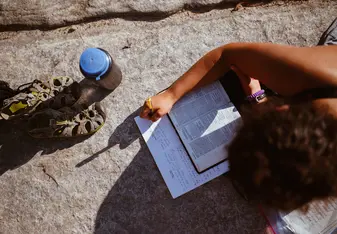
x=139, y=201
x=17, y=147
x=125, y=134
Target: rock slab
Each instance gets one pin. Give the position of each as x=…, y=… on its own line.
x=109, y=183
x=46, y=13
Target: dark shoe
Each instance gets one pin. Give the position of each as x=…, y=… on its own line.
x=5, y=92
x=30, y=96
x=66, y=122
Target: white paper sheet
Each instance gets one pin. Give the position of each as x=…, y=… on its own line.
x=171, y=158
x=321, y=218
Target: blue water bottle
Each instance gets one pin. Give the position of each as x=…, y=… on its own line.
x=97, y=64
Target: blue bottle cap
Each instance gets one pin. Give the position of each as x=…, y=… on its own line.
x=94, y=63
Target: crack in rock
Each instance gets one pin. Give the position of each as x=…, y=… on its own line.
x=47, y=15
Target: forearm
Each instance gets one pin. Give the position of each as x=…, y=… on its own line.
x=205, y=71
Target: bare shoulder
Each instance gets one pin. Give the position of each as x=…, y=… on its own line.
x=321, y=62
x=286, y=69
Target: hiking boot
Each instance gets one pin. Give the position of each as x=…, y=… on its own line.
x=30, y=96
x=66, y=122
x=67, y=97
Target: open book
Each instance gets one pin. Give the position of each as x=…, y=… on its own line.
x=205, y=121
x=189, y=144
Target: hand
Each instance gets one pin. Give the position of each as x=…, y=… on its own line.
x=161, y=105
x=249, y=84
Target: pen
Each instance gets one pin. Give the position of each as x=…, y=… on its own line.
x=149, y=105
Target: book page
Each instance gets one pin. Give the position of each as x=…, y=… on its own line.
x=321, y=218
x=171, y=158
x=206, y=121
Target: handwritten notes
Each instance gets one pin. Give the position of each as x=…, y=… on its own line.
x=321, y=218
x=171, y=158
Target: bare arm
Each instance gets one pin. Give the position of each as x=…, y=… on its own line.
x=285, y=69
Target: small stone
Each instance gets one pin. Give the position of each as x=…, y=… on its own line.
x=70, y=30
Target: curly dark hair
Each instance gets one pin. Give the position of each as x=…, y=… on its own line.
x=286, y=158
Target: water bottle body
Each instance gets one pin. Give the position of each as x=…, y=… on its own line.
x=112, y=79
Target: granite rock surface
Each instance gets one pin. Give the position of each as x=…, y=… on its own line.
x=109, y=183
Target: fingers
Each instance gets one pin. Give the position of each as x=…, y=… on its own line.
x=155, y=107
x=240, y=74
x=145, y=113
x=156, y=116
